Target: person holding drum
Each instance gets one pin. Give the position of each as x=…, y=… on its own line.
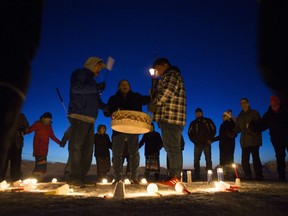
x=126, y=103
x=169, y=111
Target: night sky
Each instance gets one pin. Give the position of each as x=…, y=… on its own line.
x=214, y=43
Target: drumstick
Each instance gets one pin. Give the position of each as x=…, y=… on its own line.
x=110, y=63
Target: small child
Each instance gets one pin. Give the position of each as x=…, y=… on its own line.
x=43, y=131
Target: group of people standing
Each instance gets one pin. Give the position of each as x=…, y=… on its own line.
x=250, y=125
x=21, y=44
x=43, y=133
x=169, y=111
x=167, y=103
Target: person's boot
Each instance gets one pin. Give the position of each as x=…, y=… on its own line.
x=156, y=176
x=146, y=174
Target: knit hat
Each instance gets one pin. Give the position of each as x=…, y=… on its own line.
x=274, y=100
x=92, y=61
x=46, y=115
x=198, y=110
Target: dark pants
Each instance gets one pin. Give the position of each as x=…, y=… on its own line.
x=280, y=158
x=80, y=149
x=198, y=149
x=171, y=136
x=103, y=166
x=118, y=143
x=226, y=153
x=254, y=150
x=15, y=158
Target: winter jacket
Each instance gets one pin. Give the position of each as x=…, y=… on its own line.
x=277, y=123
x=133, y=101
x=21, y=126
x=84, y=96
x=153, y=143
x=41, y=138
x=102, y=144
x=226, y=136
x=249, y=136
x=170, y=98
x=202, y=131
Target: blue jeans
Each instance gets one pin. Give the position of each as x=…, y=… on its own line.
x=118, y=142
x=198, y=149
x=80, y=148
x=171, y=136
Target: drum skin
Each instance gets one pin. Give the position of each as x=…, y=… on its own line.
x=130, y=122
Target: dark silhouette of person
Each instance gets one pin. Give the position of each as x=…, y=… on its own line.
x=273, y=46
x=20, y=36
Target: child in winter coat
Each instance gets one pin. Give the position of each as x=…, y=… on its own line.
x=43, y=131
x=102, y=144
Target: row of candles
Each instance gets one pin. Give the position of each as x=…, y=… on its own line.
x=220, y=174
x=30, y=184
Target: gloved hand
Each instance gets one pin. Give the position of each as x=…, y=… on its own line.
x=101, y=86
x=62, y=144
x=152, y=92
x=208, y=142
x=152, y=107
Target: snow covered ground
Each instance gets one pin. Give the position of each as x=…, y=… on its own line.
x=252, y=198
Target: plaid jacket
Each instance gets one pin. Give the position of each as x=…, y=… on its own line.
x=170, y=98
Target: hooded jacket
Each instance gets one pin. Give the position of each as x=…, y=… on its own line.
x=41, y=137
x=84, y=96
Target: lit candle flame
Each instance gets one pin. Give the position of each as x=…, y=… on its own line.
x=152, y=72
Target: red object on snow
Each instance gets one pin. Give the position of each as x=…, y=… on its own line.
x=231, y=190
x=171, y=182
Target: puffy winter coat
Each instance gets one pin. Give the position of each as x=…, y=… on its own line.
x=102, y=144
x=84, y=96
x=153, y=143
x=202, y=131
x=41, y=137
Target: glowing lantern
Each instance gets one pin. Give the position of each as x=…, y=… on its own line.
x=143, y=181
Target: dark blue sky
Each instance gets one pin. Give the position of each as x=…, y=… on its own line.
x=214, y=43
